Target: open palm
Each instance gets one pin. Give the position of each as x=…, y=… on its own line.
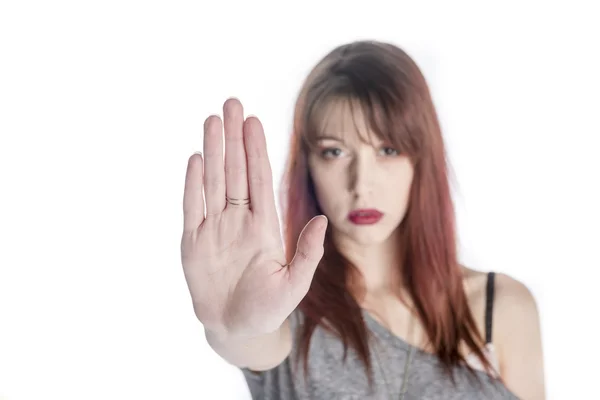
x=231, y=249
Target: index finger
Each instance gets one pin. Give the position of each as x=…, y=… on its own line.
x=193, y=201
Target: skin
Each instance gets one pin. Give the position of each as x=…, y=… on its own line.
x=351, y=168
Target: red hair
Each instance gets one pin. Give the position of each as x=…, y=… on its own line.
x=395, y=99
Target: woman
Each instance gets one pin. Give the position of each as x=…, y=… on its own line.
x=368, y=300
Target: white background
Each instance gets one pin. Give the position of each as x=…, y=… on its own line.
x=102, y=103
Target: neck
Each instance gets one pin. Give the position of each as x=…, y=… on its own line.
x=378, y=263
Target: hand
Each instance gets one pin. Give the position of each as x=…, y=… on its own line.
x=231, y=252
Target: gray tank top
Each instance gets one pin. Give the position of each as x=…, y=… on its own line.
x=329, y=377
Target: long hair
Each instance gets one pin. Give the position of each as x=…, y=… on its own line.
x=395, y=99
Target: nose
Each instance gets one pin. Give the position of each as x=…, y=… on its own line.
x=361, y=171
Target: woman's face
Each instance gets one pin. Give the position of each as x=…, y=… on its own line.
x=362, y=184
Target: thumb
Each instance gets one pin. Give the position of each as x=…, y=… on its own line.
x=309, y=252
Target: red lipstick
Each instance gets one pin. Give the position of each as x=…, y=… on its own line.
x=365, y=216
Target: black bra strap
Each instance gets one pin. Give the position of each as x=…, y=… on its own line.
x=489, y=306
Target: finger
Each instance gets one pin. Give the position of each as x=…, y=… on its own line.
x=236, y=180
x=260, y=175
x=308, y=254
x=214, y=173
x=193, y=201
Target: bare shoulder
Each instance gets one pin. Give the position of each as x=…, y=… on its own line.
x=518, y=338
x=516, y=332
x=509, y=293
x=514, y=303
x=515, y=311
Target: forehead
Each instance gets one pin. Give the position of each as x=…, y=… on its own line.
x=345, y=120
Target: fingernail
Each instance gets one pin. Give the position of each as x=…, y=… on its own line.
x=323, y=222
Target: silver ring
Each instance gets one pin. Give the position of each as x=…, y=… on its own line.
x=238, y=202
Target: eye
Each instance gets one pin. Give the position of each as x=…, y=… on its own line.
x=331, y=152
x=389, y=151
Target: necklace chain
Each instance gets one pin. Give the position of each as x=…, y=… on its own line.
x=411, y=350
x=406, y=369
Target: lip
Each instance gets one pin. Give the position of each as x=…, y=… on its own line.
x=365, y=216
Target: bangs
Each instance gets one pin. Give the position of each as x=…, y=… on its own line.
x=382, y=114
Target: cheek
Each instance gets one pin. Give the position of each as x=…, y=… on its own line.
x=327, y=188
x=402, y=173
x=405, y=182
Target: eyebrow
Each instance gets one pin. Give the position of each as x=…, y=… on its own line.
x=329, y=137
x=338, y=139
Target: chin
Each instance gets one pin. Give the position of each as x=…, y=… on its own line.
x=366, y=236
